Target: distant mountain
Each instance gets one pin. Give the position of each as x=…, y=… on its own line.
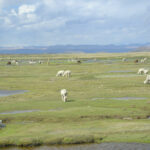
x=143, y=49
x=72, y=49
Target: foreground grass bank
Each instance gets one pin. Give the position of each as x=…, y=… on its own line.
x=93, y=113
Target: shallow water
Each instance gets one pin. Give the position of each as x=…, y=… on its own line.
x=120, y=98
x=8, y=92
x=18, y=112
x=2, y=125
x=129, y=98
x=100, y=60
x=27, y=111
x=103, y=146
x=92, y=60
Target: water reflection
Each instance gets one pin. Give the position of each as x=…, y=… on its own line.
x=8, y=92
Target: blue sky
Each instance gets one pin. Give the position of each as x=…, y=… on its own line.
x=51, y=22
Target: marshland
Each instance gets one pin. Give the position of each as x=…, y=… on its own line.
x=107, y=100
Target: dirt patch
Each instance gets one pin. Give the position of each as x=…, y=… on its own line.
x=103, y=146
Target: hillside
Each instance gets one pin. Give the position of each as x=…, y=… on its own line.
x=66, y=49
x=143, y=49
x=54, y=49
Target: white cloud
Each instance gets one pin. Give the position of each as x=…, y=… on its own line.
x=94, y=21
x=25, y=9
x=32, y=17
x=7, y=21
x=24, y=14
x=1, y=4
x=46, y=25
x=13, y=12
x=106, y=8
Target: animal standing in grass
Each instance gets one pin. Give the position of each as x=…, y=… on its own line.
x=143, y=60
x=67, y=73
x=147, y=81
x=17, y=63
x=40, y=62
x=32, y=62
x=1, y=124
x=64, y=93
x=14, y=62
x=143, y=71
x=79, y=61
x=124, y=59
x=9, y=63
x=146, y=71
x=60, y=73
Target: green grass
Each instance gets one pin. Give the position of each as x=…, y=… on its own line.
x=81, y=119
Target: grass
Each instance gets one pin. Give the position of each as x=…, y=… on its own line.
x=81, y=119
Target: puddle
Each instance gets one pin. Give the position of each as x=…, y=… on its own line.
x=129, y=98
x=92, y=60
x=102, y=146
x=100, y=60
x=2, y=125
x=28, y=111
x=120, y=71
x=120, y=98
x=59, y=61
x=8, y=93
x=19, y=111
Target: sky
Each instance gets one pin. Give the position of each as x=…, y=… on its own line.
x=57, y=22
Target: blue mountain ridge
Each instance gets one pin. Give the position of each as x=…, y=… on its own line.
x=72, y=49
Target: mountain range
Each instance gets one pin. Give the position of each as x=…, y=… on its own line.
x=75, y=49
